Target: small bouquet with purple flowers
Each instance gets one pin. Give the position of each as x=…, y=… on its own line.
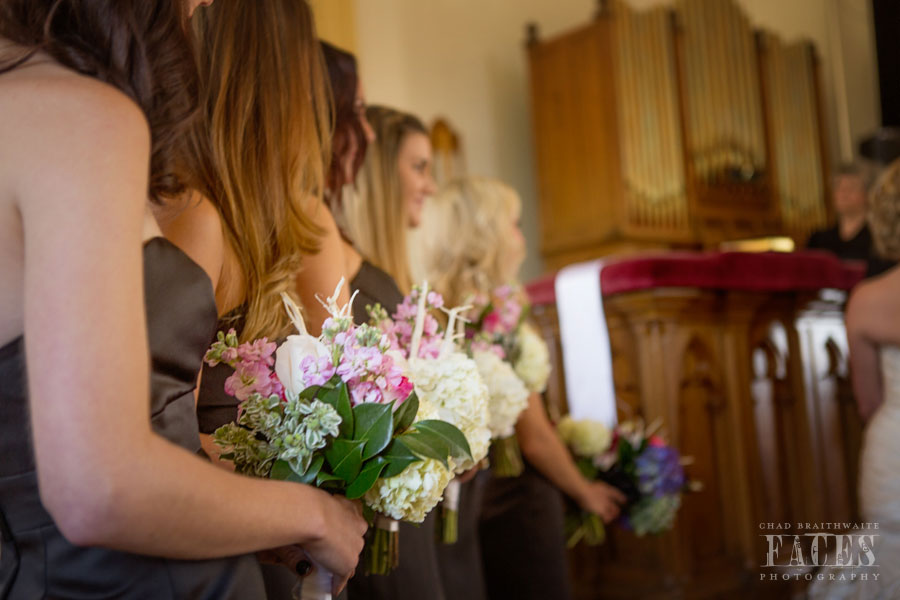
x=641, y=465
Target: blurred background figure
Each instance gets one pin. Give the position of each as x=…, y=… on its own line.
x=849, y=238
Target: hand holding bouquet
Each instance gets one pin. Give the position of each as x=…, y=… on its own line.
x=646, y=470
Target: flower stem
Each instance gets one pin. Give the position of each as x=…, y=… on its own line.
x=506, y=457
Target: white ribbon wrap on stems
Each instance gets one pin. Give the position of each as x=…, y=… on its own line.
x=451, y=495
x=587, y=358
x=316, y=586
x=386, y=523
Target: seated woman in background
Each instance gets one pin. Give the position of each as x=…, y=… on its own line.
x=387, y=202
x=255, y=220
x=103, y=326
x=873, y=332
x=473, y=245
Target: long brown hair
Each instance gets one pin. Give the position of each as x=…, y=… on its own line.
x=262, y=142
x=376, y=217
x=348, y=135
x=140, y=47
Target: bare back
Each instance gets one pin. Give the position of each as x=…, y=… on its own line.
x=30, y=99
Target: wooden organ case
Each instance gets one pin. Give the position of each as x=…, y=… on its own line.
x=674, y=127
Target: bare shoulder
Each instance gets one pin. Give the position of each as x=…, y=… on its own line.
x=196, y=228
x=873, y=310
x=45, y=107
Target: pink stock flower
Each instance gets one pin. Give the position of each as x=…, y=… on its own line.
x=252, y=377
x=316, y=371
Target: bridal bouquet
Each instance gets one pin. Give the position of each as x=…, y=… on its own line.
x=338, y=412
x=514, y=362
x=447, y=382
x=648, y=471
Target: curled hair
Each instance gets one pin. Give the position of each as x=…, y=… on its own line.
x=140, y=47
x=884, y=213
x=348, y=135
x=463, y=237
x=261, y=143
x=376, y=217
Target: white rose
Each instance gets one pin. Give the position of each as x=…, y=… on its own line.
x=287, y=361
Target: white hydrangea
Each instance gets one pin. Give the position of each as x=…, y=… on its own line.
x=450, y=389
x=585, y=437
x=533, y=363
x=412, y=494
x=509, y=396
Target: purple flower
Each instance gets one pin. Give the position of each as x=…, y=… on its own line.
x=659, y=471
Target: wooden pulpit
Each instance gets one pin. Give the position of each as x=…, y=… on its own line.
x=743, y=357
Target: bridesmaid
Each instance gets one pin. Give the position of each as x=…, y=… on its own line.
x=259, y=149
x=472, y=245
x=101, y=492
x=417, y=574
x=394, y=186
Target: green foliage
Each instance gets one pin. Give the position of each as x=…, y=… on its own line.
x=398, y=456
x=345, y=459
x=373, y=424
x=367, y=478
x=406, y=413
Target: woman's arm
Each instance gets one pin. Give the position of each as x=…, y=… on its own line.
x=106, y=478
x=863, y=313
x=322, y=271
x=543, y=448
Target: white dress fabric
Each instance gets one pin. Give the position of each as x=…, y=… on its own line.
x=879, y=496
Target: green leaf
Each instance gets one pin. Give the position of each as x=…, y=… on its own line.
x=315, y=466
x=345, y=458
x=399, y=456
x=426, y=445
x=310, y=392
x=373, y=425
x=367, y=478
x=449, y=434
x=406, y=413
x=368, y=514
x=339, y=399
x=324, y=478
x=282, y=471
x=587, y=468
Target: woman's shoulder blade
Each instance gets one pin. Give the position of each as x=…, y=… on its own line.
x=48, y=102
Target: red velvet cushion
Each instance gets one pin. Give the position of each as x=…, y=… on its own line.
x=759, y=272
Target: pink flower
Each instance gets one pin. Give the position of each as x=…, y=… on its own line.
x=252, y=377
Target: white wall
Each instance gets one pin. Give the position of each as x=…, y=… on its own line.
x=465, y=60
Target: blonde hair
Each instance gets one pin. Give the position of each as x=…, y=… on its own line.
x=884, y=213
x=262, y=142
x=464, y=237
x=375, y=217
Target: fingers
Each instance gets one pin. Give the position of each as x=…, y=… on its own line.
x=339, y=584
x=292, y=557
x=617, y=495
